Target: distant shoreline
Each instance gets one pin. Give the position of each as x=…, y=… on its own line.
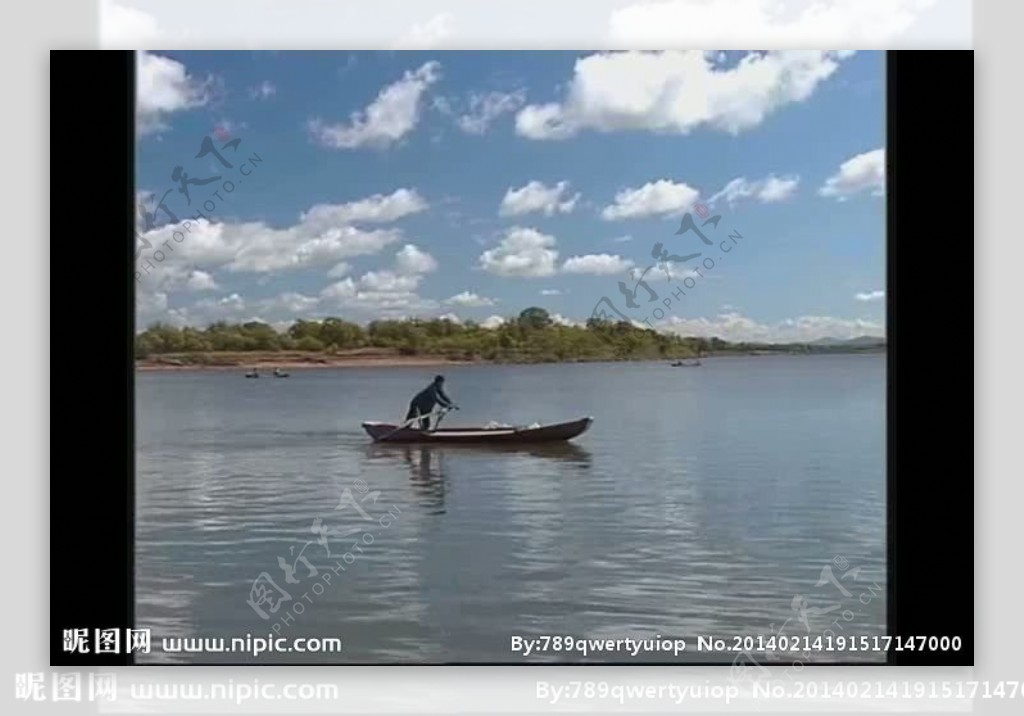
x=269, y=363
x=376, y=359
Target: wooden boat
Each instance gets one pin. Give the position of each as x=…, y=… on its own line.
x=278, y=373
x=521, y=435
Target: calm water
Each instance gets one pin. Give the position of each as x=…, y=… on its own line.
x=703, y=501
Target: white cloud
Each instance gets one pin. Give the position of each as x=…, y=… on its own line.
x=323, y=235
x=523, y=252
x=339, y=270
x=870, y=296
x=410, y=260
x=484, y=108
x=559, y=320
x=776, y=188
x=232, y=304
x=392, y=115
x=410, y=265
x=170, y=276
x=764, y=23
x=673, y=270
x=597, y=264
x=428, y=34
x=293, y=302
x=126, y=28
x=149, y=306
x=201, y=281
x=659, y=198
x=346, y=288
x=622, y=239
x=736, y=327
x=233, y=307
x=676, y=91
x=376, y=293
x=863, y=172
x=492, y=322
x=468, y=299
x=550, y=292
x=377, y=209
x=535, y=196
x=768, y=190
x=255, y=247
x=387, y=292
x=264, y=90
x=164, y=86
x=388, y=282
x=508, y=25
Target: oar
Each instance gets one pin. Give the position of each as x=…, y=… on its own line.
x=444, y=411
x=406, y=424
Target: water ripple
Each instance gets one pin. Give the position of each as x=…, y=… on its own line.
x=703, y=505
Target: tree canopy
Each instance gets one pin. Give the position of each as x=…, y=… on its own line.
x=532, y=337
x=534, y=317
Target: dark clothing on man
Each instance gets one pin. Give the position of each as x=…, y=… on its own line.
x=424, y=402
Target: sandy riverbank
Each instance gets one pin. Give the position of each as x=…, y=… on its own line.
x=375, y=358
x=290, y=360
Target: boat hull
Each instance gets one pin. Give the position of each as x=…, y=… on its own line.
x=385, y=432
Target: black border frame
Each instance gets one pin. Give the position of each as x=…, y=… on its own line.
x=930, y=530
x=92, y=486
x=930, y=511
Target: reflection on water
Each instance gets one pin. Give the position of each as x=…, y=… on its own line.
x=700, y=502
x=425, y=463
x=567, y=451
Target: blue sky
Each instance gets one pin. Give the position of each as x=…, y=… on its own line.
x=475, y=184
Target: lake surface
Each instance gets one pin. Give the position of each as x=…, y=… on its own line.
x=703, y=501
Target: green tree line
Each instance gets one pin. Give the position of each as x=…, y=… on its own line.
x=531, y=337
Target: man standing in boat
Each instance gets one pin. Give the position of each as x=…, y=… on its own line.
x=426, y=399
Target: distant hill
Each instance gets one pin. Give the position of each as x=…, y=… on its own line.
x=858, y=342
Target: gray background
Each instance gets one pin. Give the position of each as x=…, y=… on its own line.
x=992, y=200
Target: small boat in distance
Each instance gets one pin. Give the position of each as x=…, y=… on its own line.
x=680, y=363
x=253, y=374
x=278, y=373
x=511, y=435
